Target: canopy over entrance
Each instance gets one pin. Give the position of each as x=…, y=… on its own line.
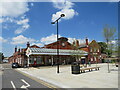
x=44, y=51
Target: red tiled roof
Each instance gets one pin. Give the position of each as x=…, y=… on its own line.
x=85, y=49
x=34, y=46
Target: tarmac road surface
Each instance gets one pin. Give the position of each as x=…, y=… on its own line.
x=12, y=79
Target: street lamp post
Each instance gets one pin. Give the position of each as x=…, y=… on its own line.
x=62, y=15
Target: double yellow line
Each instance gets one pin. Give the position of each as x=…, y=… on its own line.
x=40, y=81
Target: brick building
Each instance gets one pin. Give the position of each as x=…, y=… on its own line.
x=62, y=44
x=19, y=55
x=47, y=55
x=93, y=49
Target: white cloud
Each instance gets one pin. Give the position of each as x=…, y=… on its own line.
x=65, y=8
x=1, y=20
x=81, y=41
x=19, y=30
x=113, y=0
x=14, y=12
x=53, y=38
x=24, y=26
x=62, y=4
x=49, y=39
x=6, y=19
x=69, y=13
x=13, y=9
x=32, y=4
x=21, y=40
x=70, y=40
x=24, y=21
x=2, y=40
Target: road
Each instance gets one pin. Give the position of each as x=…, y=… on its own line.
x=14, y=79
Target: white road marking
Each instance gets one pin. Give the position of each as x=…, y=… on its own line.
x=23, y=86
x=13, y=85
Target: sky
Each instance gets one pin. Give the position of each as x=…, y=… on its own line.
x=23, y=22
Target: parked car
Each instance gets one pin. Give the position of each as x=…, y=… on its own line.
x=15, y=65
x=5, y=61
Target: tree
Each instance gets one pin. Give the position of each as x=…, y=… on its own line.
x=1, y=57
x=109, y=35
x=103, y=46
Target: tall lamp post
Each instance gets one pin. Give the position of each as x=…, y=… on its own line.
x=62, y=15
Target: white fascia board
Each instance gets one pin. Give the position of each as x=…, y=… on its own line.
x=54, y=54
x=28, y=52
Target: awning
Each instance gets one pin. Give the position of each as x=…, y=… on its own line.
x=45, y=51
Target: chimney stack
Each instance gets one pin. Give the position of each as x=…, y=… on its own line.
x=15, y=48
x=77, y=43
x=19, y=50
x=86, y=41
x=28, y=44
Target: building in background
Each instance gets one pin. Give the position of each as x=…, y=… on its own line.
x=19, y=55
x=47, y=55
x=93, y=49
x=62, y=44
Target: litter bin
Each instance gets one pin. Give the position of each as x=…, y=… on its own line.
x=116, y=65
x=75, y=67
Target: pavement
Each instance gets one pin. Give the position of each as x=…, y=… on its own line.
x=93, y=79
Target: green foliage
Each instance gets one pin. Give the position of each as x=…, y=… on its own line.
x=1, y=57
x=109, y=33
x=103, y=46
x=109, y=52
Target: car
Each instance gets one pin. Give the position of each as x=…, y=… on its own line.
x=5, y=61
x=15, y=65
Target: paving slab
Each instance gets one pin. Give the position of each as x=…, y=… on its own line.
x=93, y=79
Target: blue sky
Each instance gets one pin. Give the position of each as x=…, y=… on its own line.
x=32, y=22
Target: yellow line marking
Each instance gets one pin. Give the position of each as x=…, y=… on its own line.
x=39, y=81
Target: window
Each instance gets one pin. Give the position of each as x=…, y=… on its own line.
x=39, y=60
x=98, y=50
x=95, y=58
x=95, y=49
x=90, y=49
x=91, y=59
x=63, y=44
x=31, y=60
